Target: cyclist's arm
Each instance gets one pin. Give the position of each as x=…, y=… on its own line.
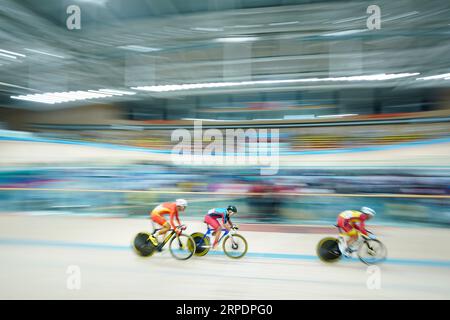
x=171, y=220
x=361, y=227
x=228, y=225
x=178, y=218
x=223, y=225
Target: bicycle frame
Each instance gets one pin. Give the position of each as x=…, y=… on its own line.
x=210, y=231
x=361, y=238
x=166, y=239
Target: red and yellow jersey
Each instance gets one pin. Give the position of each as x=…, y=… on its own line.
x=352, y=215
x=350, y=219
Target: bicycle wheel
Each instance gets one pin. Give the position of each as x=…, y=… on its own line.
x=201, y=246
x=372, y=251
x=235, y=246
x=328, y=250
x=182, y=247
x=142, y=245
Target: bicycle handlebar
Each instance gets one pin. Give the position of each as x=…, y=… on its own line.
x=233, y=228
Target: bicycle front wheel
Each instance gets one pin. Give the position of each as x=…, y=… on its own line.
x=235, y=246
x=182, y=247
x=372, y=251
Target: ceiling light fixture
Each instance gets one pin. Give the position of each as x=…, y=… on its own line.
x=207, y=29
x=178, y=87
x=8, y=56
x=236, y=39
x=343, y=33
x=283, y=23
x=60, y=97
x=45, y=53
x=438, y=76
x=139, y=48
x=13, y=53
x=117, y=91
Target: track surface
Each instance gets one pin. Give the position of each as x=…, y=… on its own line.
x=36, y=253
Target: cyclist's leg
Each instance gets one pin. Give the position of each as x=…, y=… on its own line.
x=162, y=222
x=344, y=245
x=347, y=234
x=165, y=228
x=343, y=229
x=152, y=237
x=216, y=237
x=342, y=241
x=161, y=233
x=216, y=226
x=352, y=237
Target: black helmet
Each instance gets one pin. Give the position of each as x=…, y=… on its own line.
x=232, y=208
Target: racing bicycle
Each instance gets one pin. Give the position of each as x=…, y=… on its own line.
x=368, y=248
x=234, y=245
x=181, y=246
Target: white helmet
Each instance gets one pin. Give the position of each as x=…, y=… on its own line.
x=368, y=211
x=181, y=203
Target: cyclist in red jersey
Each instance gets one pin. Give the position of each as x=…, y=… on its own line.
x=351, y=223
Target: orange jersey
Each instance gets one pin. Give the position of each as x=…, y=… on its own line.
x=169, y=208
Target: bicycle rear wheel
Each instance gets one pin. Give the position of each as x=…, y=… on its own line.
x=142, y=245
x=372, y=251
x=182, y=247
x=328, y=250
x=235, y=246
x=202, y=244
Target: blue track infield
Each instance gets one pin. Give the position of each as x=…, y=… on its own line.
x=304, y=257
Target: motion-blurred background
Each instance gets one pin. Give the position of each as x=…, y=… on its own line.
x=87, y=114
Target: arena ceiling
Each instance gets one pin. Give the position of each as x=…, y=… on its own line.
x=253, y=45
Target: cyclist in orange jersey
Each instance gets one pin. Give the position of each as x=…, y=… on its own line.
x=170, y=208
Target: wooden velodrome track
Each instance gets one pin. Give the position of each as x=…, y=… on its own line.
x=38, y=251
